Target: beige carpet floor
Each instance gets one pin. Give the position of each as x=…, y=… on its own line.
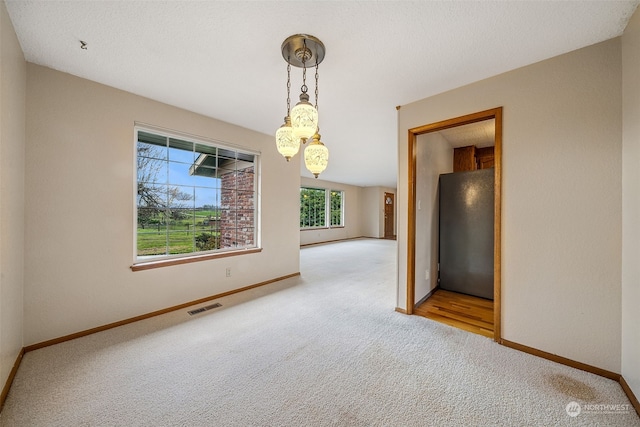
x=324, y=349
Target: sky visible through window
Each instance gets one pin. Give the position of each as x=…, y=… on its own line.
x=179, y=164
x=169, y=165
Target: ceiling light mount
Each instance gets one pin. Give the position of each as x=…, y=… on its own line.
x=302, y=50
x=303, y=55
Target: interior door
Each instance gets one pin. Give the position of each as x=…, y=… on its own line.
x=389, y=219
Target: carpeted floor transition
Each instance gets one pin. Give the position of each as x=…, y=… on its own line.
x=324, y=349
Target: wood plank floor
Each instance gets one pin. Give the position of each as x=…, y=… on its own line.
x=466, y=312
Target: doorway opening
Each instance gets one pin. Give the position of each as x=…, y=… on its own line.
x=425, y=207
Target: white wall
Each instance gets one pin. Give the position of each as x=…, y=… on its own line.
x=561, y=218
x=12, y=163
x=370, y=222
x=434, y=156
x=631, y=204
x=372, y=217
x=80, y=201
x=352, y=224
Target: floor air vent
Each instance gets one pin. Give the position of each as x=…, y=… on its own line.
x=202, y=309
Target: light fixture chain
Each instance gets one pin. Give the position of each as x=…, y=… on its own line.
x=304, y=80
x=288, y=87
x=304, y=67
x=316, y=86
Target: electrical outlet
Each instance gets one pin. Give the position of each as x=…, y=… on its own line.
x=228, y=272
x=426, y=275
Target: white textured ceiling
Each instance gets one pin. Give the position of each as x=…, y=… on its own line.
x=222, y=58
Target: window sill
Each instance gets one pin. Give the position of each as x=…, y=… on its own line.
x=189, y=259
x=321, y=228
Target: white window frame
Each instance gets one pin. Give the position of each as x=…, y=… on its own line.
x=327, y=208
x=142, y=262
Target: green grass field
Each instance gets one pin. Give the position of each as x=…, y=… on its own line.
x=180, y=236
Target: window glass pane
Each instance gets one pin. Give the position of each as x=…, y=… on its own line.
x=312, y=207
x=191, y=195
x=227, y=155
x=181, y=151
x=206, y=149
x=204, y=167
x=228, y=234
x=244, y=218
x=179, y=196
x=227, y=199
x=151, y=139
x=151, y=195
x=206, y=218
x=336, y=207
x=246, y=236
x=180, y=155
x=152, y=172
x=180, y=240
x=244, y=200
x=152, y=232
x=205, y=202
x=152, y=151
x=151, y=163
x=207, y=241
x=227, y=178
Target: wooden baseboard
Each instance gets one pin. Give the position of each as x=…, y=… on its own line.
x=149, y=315
x=561, y=360
x=401, y=310
x=12, y=374
x=632, y=397
x=333, y=241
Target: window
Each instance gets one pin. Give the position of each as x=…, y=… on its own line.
x=336, y=208
x=312, y=207
x=319, y=207
x=192, y=197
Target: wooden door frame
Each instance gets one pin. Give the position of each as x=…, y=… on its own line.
x=393, y=224
x=495, y=113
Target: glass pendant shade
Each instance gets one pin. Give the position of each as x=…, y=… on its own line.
x=304, y=118
x=286, y=143
x=316, y=156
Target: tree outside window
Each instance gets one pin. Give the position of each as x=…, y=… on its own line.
x=312, y=207
x=321, y=208
x=336, y=208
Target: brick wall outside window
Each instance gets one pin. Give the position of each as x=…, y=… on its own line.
x=237, y=209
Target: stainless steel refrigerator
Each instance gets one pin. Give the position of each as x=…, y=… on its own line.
x=466, y=232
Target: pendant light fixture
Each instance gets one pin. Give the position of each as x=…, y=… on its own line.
x=316, y=156
x=301, y=122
